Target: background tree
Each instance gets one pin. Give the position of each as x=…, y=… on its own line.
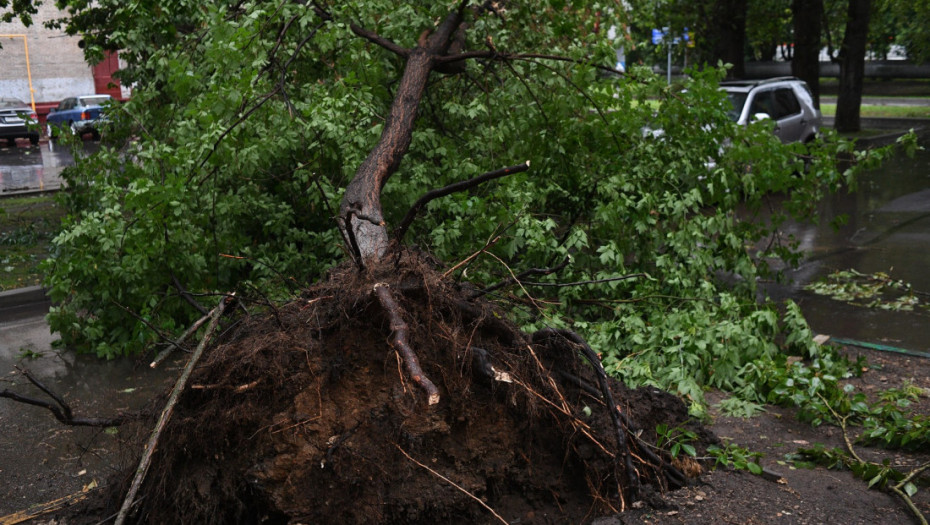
x=805, y=64
x=852, y=66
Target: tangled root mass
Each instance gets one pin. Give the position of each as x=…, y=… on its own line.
x=308, y=415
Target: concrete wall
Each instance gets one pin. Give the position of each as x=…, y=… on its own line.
x=57, y=63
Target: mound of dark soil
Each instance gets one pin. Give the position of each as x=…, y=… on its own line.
x=308, y=415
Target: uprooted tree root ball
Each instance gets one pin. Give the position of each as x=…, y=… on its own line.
x=309, y=415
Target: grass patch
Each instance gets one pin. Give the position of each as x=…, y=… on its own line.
x=872, y=111
x=27, y=226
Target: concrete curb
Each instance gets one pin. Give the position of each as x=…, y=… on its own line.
x=23, y=302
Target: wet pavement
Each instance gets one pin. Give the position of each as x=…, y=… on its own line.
x=888, y=230
x=40, y=459
x=27, y=168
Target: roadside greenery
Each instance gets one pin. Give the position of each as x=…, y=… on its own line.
x=882, y=111
x=27, y=226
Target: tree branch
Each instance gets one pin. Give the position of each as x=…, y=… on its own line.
x=519, y=277
x=59, y=409
x=580, y=283
x=453, y=188
x=380, y=41
x=146, y=460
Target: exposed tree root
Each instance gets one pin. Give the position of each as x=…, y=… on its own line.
x=399, y=331
x=308, y=421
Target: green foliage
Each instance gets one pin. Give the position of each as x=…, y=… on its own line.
x=676, y=440
x=877, y=290
x=734, y=456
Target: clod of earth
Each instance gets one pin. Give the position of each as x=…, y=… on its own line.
x=307, y=415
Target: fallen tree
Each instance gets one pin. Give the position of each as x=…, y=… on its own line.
x=395, y=389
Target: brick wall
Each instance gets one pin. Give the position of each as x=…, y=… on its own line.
x=56, y=61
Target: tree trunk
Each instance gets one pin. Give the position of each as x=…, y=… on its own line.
x=728, y=35
x=360, y=210
x=852, y=66
x=806, y=20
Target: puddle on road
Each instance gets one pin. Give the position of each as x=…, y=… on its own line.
x=40, y=459
x=36, y=168
x=888, y=231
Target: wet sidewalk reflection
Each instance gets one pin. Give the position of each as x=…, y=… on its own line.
x=27, y=168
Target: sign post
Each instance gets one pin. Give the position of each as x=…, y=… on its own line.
x=659, y=37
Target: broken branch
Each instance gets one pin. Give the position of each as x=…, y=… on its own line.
x=399, y=342
x=453, y=188
x=146, y=460
x=59, y=409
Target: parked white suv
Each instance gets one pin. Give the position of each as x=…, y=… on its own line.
x=786, y=100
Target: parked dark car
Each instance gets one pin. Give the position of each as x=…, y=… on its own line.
x=77, y=115
x=786, y=100
x=15, y=117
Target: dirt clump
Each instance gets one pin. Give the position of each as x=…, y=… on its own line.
x=308, y=415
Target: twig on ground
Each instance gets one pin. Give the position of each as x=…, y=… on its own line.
x=59, y=409
x=896, y=488
x=146, y=460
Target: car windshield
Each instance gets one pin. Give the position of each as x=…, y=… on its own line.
x=737, y=99
x=11, y=103
x=94, y=101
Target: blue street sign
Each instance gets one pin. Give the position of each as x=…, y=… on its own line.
x=657, y=36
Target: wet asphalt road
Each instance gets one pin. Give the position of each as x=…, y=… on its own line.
x=26, y=168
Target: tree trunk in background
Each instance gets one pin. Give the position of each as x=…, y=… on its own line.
x=727, y=35
x=852, y=66
x=806, y=20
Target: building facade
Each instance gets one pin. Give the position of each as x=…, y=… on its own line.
x=41, y=66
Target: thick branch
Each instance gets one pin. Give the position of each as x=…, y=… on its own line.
x=450, y=189
x=380, y=41
x=399, y=331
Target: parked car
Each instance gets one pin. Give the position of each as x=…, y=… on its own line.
x=786, y=100
x=15, y=117
x=78, y=115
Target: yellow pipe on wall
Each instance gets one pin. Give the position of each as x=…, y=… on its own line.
x=32, y=92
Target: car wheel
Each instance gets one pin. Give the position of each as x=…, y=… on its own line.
x=95, y=134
